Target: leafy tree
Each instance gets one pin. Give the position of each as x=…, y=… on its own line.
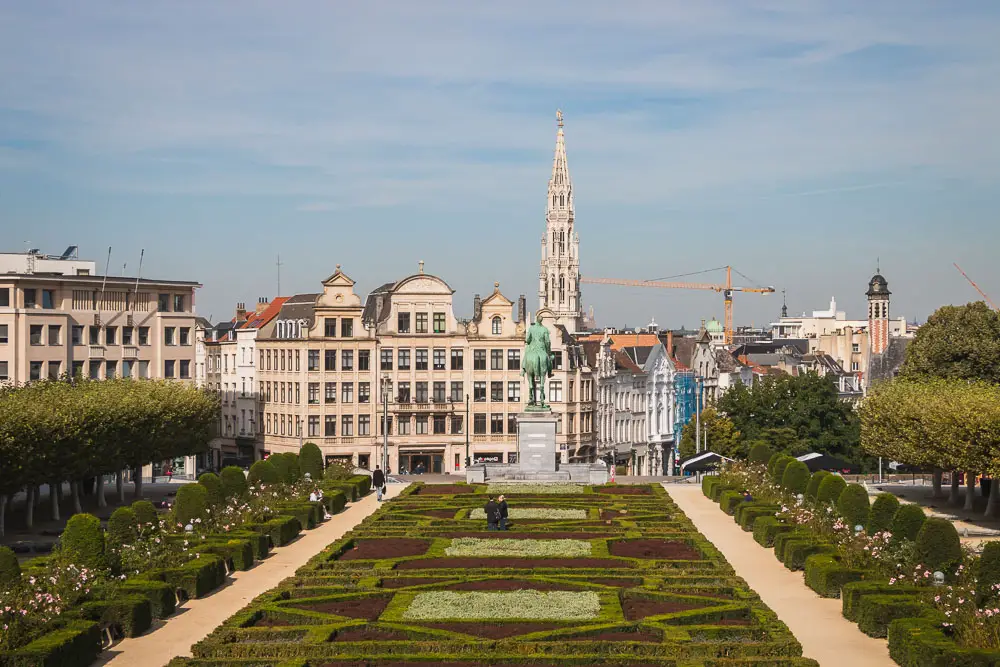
x=794, y=414
x=723, y=437
x=957, y=342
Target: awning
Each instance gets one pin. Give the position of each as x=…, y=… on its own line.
x=703, y=462
x=817, y=461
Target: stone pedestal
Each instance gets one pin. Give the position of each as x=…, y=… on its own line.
x=536, y=442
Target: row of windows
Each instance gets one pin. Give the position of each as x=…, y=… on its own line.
x=291, y=392
x=290, y=360
x=346, y=327
x=403, y=321
x=98, y=370
x=422, y=357
x=96, y=300
x=424, y=392
x=327, y=426
x=51, y=334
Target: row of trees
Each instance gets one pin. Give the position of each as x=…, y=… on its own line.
x=62, y=430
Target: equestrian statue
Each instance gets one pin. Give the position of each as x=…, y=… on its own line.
x=537, y=362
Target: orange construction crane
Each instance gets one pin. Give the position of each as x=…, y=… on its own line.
x=727, y=291
x=971, y=282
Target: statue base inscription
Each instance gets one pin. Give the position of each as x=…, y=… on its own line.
x=536, y=441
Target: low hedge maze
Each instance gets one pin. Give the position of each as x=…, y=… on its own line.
x=621, y=579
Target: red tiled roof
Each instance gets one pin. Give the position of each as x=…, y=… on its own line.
x=256, y=321
x=623, y=360
x=618, y=341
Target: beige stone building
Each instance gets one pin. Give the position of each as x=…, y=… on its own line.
x=68, y=320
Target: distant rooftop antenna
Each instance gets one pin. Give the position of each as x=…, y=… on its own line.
x=278, y=264
x=135, y=294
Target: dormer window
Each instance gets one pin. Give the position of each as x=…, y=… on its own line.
x=497, y=326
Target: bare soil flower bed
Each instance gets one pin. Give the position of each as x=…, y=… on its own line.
x=657, y=549
x=509, y=585
x=268, y=622
x=495, y=630
x=403, y=582
x=624, y=490
x=386, y=547
x=445, y=489
x=439, y=514
x=636, y=609
x=513, y=563
x=511, y=535
x=614, y=514
x=368, y=608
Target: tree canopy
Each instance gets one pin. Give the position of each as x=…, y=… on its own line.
x=723, y=438
x=960, y=342
x=794, y=414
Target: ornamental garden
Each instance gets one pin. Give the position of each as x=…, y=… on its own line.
x=612, y=575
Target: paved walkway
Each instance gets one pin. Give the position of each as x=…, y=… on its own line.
x=197, y=618
x=825, y=635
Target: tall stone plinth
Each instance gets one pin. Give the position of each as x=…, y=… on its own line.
x=536, y=442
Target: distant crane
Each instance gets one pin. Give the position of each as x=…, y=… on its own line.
x=981, y=292
x=726, y=290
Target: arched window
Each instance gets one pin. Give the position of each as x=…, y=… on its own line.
x=562, y=200
x=553, y=201
x=497, y=326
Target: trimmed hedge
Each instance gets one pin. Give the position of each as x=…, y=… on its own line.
x=213, y=485
x=729, y=500
x=160, y=594
x=779, y=468
x=876, y=612
x=197, y=578
x=281, y=530
x=987, y=574
x=881, y=513
x=707, y=482
x=907, y=522
x=760, y=452
x=830, y=489
x=851, y=594
x=145, y=513
x=853, y=505
x=132, y=613
x=766, y=528
x=812, y=488
x=83, y=541
x=334, y=501
x=938, y=545
x=796, y=551
x=234, y=482
x=263, y=472
x=919, y=642
x=826, y=575
x=76, y=644
x=748, y=515
x=123, y=528
x=10, y=570
x=311, y=461
x=772, y=462
x=192, y=503
x=796, y=477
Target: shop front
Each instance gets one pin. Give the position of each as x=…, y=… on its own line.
x=487, y=457
x=421, y=461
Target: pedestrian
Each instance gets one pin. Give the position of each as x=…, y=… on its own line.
x=503, y=513
x=747, y=496
x=492, y=511
x=313, y=497
x=378, y=481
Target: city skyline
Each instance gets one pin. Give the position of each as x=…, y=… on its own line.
x=801, y=145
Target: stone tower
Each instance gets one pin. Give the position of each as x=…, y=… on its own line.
x=559, y=277
x=878, y=314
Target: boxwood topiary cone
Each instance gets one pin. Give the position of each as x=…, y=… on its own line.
x=881, y=513
x=292, y=473
x=812, y=489
x=234, y=482
x=83, y=541
x=311, y=461
x=988, y=574
x=263, y=472
x=213, y=485
x=771, y=463
x=192, y=502
x=830, y=488
x=938, y=546
x=907, y=522
x=10, y=570
x=123, y=528
x=779, y=468
x=760, y=452
x=796, y=477
x=853, y=505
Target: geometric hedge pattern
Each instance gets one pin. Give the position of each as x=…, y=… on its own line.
x=656, y=593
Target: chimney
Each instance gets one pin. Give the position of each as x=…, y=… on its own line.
x=522, y=308
x=241, y=311
x=670, y=343
x=477, y=308
x=262, y=304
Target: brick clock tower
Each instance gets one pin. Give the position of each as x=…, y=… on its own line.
x=878, y=314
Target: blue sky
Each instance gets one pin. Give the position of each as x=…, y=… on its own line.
x=797, y=140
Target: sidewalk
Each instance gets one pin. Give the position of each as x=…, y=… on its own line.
x=825, y=635
x=197, y=618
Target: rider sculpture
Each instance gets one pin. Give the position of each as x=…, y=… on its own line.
x=537, y=362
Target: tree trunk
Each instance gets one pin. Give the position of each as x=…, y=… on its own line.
x=3, y=513
x=954, y=497
x=120, y=486
x=74, y=488
x=991, y=503
x=29, y=516
x=936, y=483
x=37, y=495
x=102, y=502
x=970, y=491
x=54, y=498
x=137, y=481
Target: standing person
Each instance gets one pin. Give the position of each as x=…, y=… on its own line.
x=502, y=507
x=492, y=511
x=378, y=481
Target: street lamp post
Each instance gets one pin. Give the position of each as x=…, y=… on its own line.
x=467, y=427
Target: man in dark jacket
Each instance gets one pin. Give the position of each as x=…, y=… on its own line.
x=503, y=513
x=378, y=481
x=492, y=511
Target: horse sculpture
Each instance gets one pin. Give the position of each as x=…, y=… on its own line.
x=537, y=362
